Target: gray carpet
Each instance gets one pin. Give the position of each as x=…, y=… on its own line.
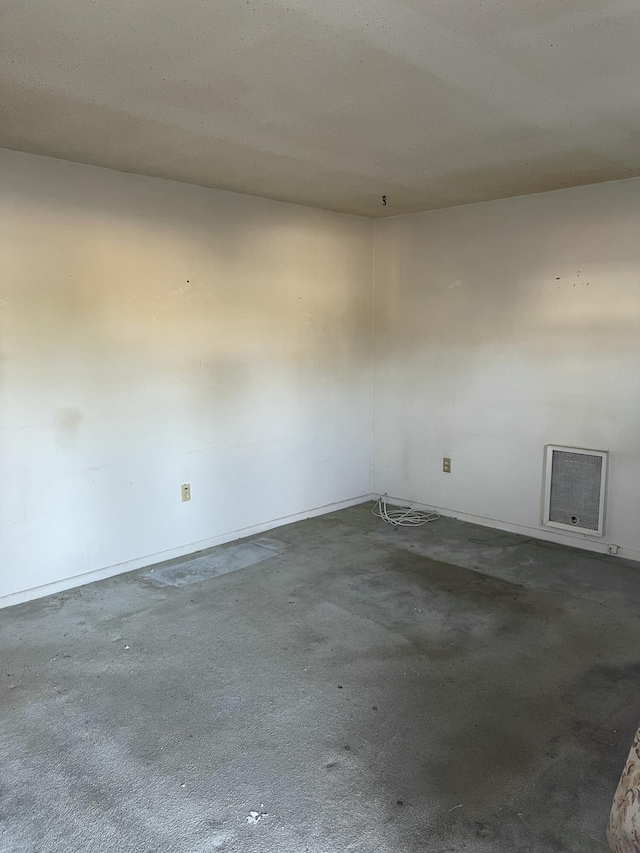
x=355, y=688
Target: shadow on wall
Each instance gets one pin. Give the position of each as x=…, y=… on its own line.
x=503, y=327
x=168, y=334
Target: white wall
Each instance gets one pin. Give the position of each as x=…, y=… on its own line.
x=502, y=327
x=155, y=333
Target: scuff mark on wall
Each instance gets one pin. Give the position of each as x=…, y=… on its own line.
x=176, y=295
x=67, y=424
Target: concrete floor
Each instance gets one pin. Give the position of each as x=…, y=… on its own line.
x=447, y=688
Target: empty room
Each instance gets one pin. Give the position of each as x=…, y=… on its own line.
x=319, y=426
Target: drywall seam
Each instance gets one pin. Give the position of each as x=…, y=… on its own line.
x=182, y=551
x=572, y=541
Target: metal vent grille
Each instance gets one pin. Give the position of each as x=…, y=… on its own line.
x=574, y=489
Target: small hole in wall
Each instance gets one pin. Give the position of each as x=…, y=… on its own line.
x=574, y=519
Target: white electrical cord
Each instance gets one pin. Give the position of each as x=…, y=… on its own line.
x=402, y=516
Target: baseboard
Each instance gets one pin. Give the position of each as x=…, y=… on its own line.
x=582, y=541
x=182, y=551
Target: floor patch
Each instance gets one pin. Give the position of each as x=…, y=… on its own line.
x=196, y=569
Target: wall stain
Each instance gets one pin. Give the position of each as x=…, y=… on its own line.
x=66, y=423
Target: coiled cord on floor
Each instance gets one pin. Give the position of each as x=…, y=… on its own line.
x=401, y=516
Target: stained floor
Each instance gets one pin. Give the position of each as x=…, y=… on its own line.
x=356, y=688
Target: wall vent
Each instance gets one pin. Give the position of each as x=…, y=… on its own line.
x=574, y=489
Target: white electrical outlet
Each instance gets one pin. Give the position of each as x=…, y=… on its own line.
x=185, y=492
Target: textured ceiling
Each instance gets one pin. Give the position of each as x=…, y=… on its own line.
x=330, y=103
